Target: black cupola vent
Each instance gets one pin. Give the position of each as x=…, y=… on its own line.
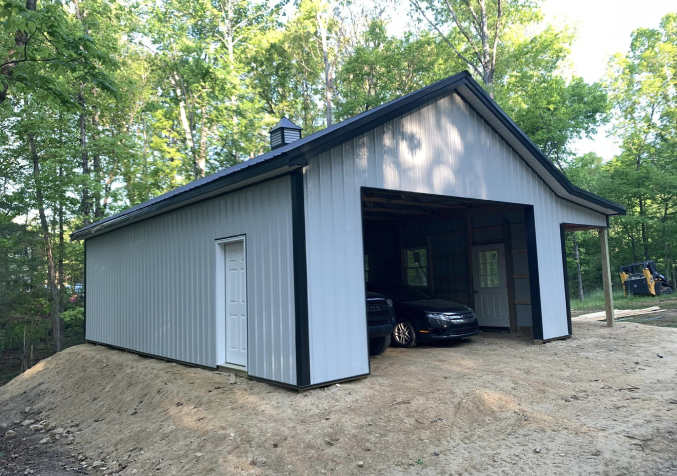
x=285, y=132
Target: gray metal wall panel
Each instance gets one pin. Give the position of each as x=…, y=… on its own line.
x=523, y=315
x=522, y=290
x=442, y=148
x=520, y=264
x=151, y=286
x=518, y=234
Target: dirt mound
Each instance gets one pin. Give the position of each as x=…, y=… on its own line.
x=601, y=402
x=484, y=405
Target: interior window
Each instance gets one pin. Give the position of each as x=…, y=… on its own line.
x=417, y=267
x=489, y=269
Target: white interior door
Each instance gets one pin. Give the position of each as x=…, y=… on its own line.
x=490, y=286
x=236, y=304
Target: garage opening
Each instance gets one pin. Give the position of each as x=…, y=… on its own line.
x=437, y=248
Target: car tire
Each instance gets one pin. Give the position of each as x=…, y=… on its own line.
x=404, y=334
x=378, y=345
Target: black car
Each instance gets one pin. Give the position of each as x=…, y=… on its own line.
x=420, y=318
x=380, y=322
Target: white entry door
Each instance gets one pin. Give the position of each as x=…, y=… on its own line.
x=236, y=304
x=490, y=286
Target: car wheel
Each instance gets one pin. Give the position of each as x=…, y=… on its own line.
x=404, y=334
x=378, y=345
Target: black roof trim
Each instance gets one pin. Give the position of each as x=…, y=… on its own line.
x=557, y=174
x=286, y=124
x=297, y=153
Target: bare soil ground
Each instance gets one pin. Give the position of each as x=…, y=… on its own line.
x=602, y=402
x=666, y=317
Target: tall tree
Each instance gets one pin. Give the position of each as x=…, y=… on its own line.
x=474, y=29
x=38, y=44
x=643, y=88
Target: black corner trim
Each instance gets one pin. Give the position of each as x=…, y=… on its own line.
x=534, y=278
x=301, y=388
x=567, y=296
x=84, y=295
x=300, y=279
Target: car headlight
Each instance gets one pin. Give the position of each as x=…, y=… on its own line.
x=443, y=316
x=390, y=302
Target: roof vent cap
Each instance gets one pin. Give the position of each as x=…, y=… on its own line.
x=285, y=132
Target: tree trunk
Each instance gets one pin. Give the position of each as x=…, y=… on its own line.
x=204, y=133
x=85, y=158
x=642, y=214
x=632, y=241
x=577, y=258
x=61, y=245
x=665, y=241
x=185, y=124
x=61, y=227
x=24, y=363
x=98, y=209
x=145, y=179
x=328, y=71
x=86, y=206
x=51, y=274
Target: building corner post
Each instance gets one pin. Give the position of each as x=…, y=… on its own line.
x=606, y=276
x=300, y=279
x=84, y=291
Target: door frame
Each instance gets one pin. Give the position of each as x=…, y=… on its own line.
x=505, y=280
x=220, y=298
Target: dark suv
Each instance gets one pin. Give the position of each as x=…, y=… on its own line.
x=380, y=322
x=420, y=318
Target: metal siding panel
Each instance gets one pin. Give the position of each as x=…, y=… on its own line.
x=443, y=148
x=523, y=315
x=337, y=320
x=152, y=284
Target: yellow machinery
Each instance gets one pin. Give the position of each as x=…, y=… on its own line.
x=644, y=278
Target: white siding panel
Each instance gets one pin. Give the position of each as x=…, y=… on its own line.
x=443, y=148
x=151, y=286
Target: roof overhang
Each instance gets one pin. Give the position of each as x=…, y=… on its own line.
x=282, y=160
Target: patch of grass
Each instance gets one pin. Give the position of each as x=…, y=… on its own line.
x=594, y=301
x=667, y=319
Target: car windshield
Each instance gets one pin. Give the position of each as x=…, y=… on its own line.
x=407, y=293
x=398, y=292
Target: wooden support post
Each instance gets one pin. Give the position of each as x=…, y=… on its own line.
x=468, y=250
x=606, y=276
x=510, y=274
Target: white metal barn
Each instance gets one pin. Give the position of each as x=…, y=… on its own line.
x=262, y=266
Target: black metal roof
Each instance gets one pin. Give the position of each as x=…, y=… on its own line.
x=285, y=123
x=297, y=153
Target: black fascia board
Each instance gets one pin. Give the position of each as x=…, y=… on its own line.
x=291, y=155
x=297, y=153
x=160, y=203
